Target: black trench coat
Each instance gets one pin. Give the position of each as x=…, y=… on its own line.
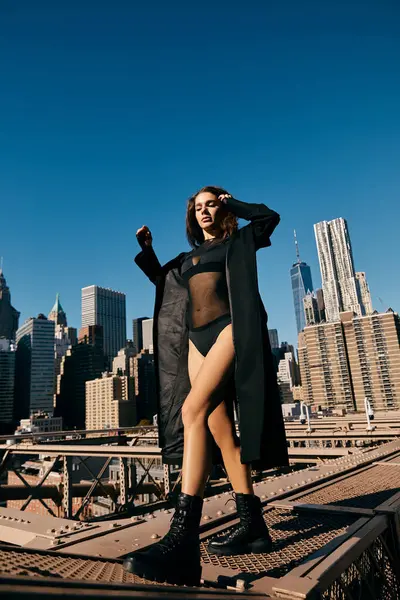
x=262, y=434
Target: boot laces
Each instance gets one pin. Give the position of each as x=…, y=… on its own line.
x=245, y=509
x=177, y=529
x=233, y=499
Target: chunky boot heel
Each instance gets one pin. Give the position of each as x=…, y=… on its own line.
x=180, y=574
x=190, y=575
x=176, y=557
x=251, y=535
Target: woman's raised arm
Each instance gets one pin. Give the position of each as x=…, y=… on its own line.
x=147, y=259
x=262, y=219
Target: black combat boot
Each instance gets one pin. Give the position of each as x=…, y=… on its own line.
x=176, y=557
x=250, y=535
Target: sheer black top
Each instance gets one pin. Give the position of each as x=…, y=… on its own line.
x=203, y=272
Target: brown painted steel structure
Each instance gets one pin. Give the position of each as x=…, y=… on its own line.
x=327, y=439
x=357, y=421
x=335, y=528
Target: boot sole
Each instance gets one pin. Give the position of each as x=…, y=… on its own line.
x=189, y=575
x=260, y=546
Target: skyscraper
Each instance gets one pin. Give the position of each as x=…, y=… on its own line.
x=83, y=362
x=147, y=328
x=92, y=335
x=122, y=364
x=287, y=376
x=364, y=293
x=319, y=294
x=138, y=333
x=324, y=368
x=105, y=307
x=64, y=337
x=300, y=275
x=310, y=305
x=273, y=338
x=352, y=359
x=8, y=315
x=143, y=371
x=373, y=350
x=110, y=402
x=7, y=376
x=57, y=313
x=314, y=307
x=337, y=268
x=34, y=386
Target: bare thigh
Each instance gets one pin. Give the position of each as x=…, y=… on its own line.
x=195, y=360
x=209, y=374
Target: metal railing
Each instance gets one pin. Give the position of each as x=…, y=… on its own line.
x=122, y=493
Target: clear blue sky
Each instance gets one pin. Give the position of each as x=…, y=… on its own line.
x=113, y=113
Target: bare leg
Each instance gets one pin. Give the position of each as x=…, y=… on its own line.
x=222, y=428
x=203, y=398
x=202, y=462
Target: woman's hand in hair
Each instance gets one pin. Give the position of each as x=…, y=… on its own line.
x=144, y=237
x=224, y=197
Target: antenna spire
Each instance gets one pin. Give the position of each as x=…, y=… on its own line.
x=297, y=247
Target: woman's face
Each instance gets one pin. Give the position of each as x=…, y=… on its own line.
x=207, y=209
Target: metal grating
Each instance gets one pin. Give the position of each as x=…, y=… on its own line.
x=369, y=577
x=295, y=536
x=363, y=490
x=42, y=564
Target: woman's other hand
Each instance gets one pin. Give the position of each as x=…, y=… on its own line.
x=224, y=197
x=144, y=237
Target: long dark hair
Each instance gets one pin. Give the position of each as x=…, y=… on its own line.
x=194, y=233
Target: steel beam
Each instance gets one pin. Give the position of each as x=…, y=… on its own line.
x=78, y=450
x=67, y=487
x=78, y=490
x=123, y=481
x=93, y=486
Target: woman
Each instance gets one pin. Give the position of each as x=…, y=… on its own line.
x=212, y=352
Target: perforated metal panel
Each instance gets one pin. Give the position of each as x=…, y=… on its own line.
x=41, y=564
x=363, y=490
x=369, y=577
x=295, y=536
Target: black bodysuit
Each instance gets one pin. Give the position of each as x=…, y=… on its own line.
x=203, y=272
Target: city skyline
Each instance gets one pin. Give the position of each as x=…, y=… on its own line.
x=105, y=132
x=292, y=339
